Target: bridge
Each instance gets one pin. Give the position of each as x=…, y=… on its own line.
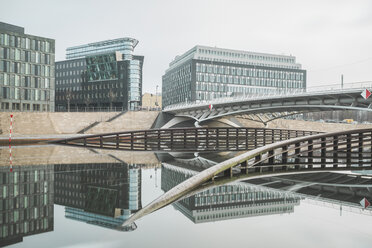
x=266, y=108
x=350, y=150
x=186, y=139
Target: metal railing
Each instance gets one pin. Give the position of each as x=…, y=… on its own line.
x=187, y=139
x=278, y=93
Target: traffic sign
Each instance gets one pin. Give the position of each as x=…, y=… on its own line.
x=365, y=203
x=210, y=106
x=365, y=93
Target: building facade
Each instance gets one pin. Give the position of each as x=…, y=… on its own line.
x=26, y=70
x=26, y=202
x=100, y=75
x=206, y=73
x=103, y=194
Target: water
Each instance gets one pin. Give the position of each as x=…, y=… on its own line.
x=97, y=185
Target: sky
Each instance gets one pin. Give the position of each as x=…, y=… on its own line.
x=328, y=38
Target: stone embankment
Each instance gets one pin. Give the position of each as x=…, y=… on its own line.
x=36, y=124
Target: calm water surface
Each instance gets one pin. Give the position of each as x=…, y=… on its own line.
x=76, y=197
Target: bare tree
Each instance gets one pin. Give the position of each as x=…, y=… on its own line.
x=87, y=101
x=112, y=97
x=69, y=96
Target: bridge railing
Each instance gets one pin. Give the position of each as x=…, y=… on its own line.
x=274, y=93
x=187, y=139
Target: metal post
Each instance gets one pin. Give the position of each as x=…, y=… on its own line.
x=284, y=154
x=117, y=141
x=244, y=168
x=360, y=149
x=335, y=148
x=310, y=154
x=348, y=150
x=297, y=153
x=145, y=141
x=323, y=152
x=271, y=157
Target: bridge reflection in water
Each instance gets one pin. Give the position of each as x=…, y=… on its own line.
x=263, y=196
x=348, y=150
x=187, y=139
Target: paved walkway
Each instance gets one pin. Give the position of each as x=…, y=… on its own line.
x=34, y=139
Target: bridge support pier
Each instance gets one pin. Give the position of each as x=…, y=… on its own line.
x=228, y=172
x=244, y=168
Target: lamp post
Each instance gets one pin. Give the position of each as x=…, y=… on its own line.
x=156, y=96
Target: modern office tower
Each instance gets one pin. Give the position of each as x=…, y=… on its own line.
x=100, y=75
x=206, y=73
x=104, y=194
x=26, y=70
x=236, y=200
x=26, y=202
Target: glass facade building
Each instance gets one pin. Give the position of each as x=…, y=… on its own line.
x=103, y=194
x=206, y=73
x=102, y=75
x=26, y=70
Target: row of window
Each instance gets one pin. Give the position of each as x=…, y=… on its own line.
x=24, y=81
x=69, y=73
x=246, y=55
x=26, y=68
x=25, y=94
x=25, y=43
x=25, y=106
x=283, y=66
x=26, y=227
x=70, y=64
x=26, y=56
x=251, y=72
x=107, y=95
x=216, y=84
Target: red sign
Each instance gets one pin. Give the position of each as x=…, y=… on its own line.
x=365, y=93
x=365, y=203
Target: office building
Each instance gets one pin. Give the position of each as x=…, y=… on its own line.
x=100, y=75
x=205, y=73
x=26, y=70
x=103, y=194
x=26, y=202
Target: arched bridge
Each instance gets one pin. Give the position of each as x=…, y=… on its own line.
x=267, y=108
x=349, y=150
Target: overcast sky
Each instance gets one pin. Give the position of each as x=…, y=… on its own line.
x=328, y=38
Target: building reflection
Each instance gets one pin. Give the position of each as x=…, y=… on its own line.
x=26, y=202
x=104, y=194
x=235, y=200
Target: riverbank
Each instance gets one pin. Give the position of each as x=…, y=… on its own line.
x=26, y=124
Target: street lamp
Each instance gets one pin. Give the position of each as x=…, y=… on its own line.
x=156, y=96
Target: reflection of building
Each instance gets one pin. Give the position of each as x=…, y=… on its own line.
x=101, y=194
x=151, y=101
x=26, y=202
x=205, y=73
x=226, y=202
x=26, y=70
x=101, y=74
